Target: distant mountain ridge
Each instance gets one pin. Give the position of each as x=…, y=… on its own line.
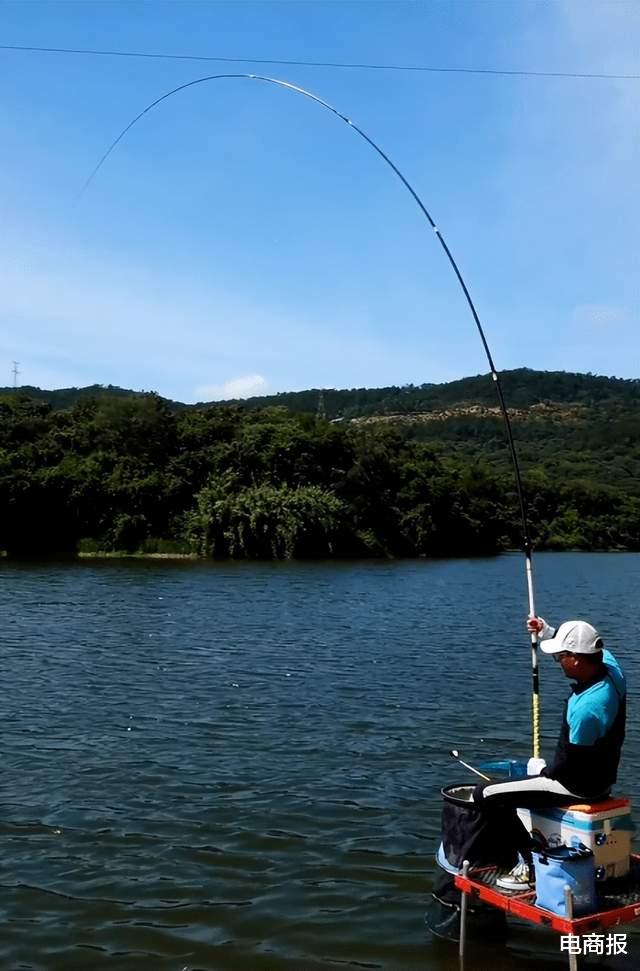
x=523, y=388
x=62, y=398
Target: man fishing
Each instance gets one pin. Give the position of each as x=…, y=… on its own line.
x=585, y=764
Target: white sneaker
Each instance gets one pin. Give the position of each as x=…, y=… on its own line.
x=517, y=879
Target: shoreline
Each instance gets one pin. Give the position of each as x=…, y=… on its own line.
x=195, y=557
x=115, y=555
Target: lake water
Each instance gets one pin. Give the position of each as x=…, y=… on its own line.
x=238, y=766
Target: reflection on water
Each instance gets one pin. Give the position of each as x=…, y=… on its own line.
x=238, y=766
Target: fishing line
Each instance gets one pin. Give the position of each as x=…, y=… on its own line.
x=424, y=68
x=494, y=374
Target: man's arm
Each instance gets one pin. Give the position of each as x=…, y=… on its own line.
x=575, y=754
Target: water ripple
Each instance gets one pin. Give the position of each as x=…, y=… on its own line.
x=237, y=766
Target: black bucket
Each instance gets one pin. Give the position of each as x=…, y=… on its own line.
x=458, y=795
x=442, y=916
x=469, y=832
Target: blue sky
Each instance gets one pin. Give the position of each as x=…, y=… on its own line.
x=242, y=240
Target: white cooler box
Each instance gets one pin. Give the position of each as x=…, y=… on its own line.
x=605, y=827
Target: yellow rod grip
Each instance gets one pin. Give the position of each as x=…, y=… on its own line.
x=536, y=725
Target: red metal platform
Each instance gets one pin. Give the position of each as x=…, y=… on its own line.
x=621, y=907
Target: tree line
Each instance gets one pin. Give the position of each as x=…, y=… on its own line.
x=523, y=387
x=133, y=474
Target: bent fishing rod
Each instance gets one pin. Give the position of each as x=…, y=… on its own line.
x=527, y=547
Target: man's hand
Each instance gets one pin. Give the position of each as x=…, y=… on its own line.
x=535, y=766
x=536, y=625
x=539, y=627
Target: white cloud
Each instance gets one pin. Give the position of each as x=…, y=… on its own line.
x=75, y=317
x=600, y=316
x=71, y=318
x=242, y=387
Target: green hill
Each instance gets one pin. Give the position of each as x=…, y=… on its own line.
x=522, y=387
x=389, y=471
x=67, y=397
x=574, y=426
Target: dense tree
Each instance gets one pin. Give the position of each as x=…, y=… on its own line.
x=119, y=472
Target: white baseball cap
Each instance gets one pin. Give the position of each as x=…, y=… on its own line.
x=575, y=636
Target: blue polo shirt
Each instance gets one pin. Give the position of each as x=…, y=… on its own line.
x=592, y=711
x=593, y=722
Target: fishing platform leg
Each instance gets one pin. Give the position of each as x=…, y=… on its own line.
x=464, y=900
x=568, y=906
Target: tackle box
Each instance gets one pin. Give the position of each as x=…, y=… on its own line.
x=603, y=827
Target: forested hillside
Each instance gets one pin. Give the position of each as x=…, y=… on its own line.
x=522, y=389
x=105, y=469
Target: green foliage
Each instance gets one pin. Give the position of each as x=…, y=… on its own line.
x=134, y=473
x=522, y=387
x=264, y=521
x=88, y=545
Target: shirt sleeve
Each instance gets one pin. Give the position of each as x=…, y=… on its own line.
x=547, y=631
x=586, y=728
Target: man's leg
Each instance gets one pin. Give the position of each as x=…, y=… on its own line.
x=534, y=792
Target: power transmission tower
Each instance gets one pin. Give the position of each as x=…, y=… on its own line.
x=320, y=410
x=16, y=372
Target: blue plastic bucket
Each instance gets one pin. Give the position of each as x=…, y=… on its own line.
x=505, y=768
x=560, y=866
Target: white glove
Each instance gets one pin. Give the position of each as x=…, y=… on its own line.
x=535, y=766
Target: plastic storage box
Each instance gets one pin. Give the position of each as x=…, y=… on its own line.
x=604, y=827
x=562, y=866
